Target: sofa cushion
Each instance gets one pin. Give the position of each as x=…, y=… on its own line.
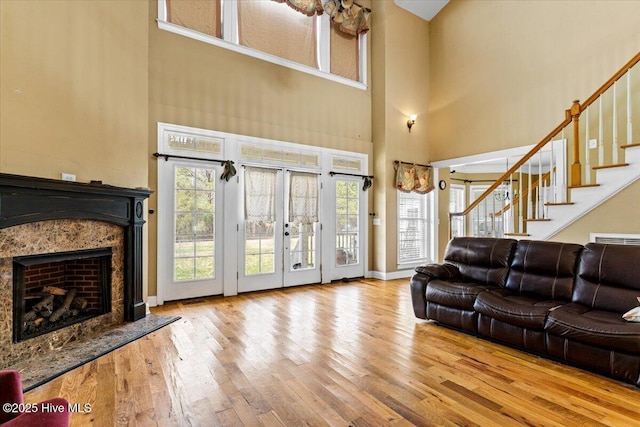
x=454, y=294
x=544, y=269
x=605, y=329
x=608, y=277
x=517, y=309
x=482, y=260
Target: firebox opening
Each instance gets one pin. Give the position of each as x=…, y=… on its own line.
x=52, y=291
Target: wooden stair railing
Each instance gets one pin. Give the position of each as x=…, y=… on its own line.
x=572, y=116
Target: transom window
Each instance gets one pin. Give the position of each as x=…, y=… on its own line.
x=271, y=31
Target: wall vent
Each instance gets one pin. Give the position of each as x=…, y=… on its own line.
x=616, y=239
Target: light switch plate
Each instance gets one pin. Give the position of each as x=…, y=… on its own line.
x=593, y=143
x=68, y=177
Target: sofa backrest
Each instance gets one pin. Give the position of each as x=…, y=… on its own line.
x=543, y=268
x=483, y=260
x=608, y=277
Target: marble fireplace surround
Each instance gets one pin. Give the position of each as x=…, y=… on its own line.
x=42, y=216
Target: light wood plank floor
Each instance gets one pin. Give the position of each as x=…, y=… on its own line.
x=345, y=354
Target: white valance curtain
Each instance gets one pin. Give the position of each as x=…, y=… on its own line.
x=260, y=194
x=303, y=198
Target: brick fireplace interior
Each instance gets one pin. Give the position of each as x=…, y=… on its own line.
x=52, y=291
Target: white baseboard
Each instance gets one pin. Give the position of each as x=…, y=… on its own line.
x=401, y=274
x=152, y=301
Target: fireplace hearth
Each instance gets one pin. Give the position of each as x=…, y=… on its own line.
x=75, y=249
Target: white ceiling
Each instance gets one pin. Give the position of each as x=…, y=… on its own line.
x=425, y=9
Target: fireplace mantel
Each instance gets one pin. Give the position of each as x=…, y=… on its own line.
x=29, y=199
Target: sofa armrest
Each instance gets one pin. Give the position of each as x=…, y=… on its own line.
x=10, y=392
x=419, y=281
x=439, y=271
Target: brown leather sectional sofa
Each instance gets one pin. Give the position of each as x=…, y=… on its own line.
x=560, y=300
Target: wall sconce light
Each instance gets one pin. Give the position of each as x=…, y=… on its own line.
x=411, y=121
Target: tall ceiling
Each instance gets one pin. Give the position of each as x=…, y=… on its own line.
x=425, y=9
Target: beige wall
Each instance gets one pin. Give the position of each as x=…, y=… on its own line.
x=73, y=86
x=503, y=72
x=400, y=88
x=74, y=90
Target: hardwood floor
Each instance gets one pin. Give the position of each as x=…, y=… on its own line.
x=345, y=354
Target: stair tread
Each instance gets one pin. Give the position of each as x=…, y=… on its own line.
x=559, y=204
x=517, y=234
x=617, y=165
x=583, y=186
x=537, y=219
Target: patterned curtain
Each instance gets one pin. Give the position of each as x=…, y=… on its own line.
x=303, y=198
x=418, y=179
x=260, y=195
x=308, y=7
x=350, y=17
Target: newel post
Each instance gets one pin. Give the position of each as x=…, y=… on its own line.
x=576, y=169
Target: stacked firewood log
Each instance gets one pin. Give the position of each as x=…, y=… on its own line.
x=55, y=304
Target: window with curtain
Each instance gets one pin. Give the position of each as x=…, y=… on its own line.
x=260, y=216
x=303, y=216
x=345, y=51
x=198, y=15
x=303, y=198
x=415, y=227
x=279, y=30
x=260, y=195
x=330, y=44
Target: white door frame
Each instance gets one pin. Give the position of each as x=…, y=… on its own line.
x=335, y=271
x=260, y=152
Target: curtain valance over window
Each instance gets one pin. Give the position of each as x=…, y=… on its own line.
x=416, y=178
x=308, y=7
x=303, y=198
x=260, y=194
x=350, y=17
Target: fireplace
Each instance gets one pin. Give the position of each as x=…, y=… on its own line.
x=49, y=231
x=52, y=291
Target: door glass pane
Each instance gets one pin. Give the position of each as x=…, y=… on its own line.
x=347, y=222
x=259, y=247
x=303, y=216
x=194, y=223
x=303, y=246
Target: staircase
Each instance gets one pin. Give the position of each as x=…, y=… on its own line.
x=542, y=193
x=610, y=181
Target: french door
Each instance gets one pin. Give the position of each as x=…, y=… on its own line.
x=190, y=225
x=278, y=231
x=348, y=227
